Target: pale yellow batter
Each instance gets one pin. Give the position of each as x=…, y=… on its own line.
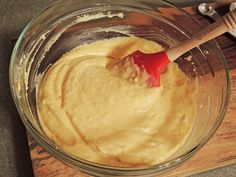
x=95, y=115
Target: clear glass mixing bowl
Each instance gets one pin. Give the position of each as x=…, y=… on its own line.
x=61, y=27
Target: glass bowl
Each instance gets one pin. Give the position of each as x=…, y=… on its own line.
x=67, y=24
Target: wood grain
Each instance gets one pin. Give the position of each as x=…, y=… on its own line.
x=219, y=151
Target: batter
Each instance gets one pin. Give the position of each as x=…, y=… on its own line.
x=91, y=113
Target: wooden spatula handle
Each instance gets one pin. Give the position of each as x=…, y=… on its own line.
x=224, y=24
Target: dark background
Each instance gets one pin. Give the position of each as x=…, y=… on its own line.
x=14, y=153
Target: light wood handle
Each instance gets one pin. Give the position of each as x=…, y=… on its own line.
x=224, y=24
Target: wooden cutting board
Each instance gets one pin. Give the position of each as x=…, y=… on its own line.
x=219, y=151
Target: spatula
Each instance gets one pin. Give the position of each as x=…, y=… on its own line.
x=155, y=63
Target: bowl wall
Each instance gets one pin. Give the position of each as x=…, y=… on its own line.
x=71, y=23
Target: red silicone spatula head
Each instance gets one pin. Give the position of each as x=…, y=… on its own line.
x=153, y=64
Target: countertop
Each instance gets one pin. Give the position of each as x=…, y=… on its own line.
x=14, y=151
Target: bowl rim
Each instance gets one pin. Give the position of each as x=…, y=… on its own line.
x=72, y=160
